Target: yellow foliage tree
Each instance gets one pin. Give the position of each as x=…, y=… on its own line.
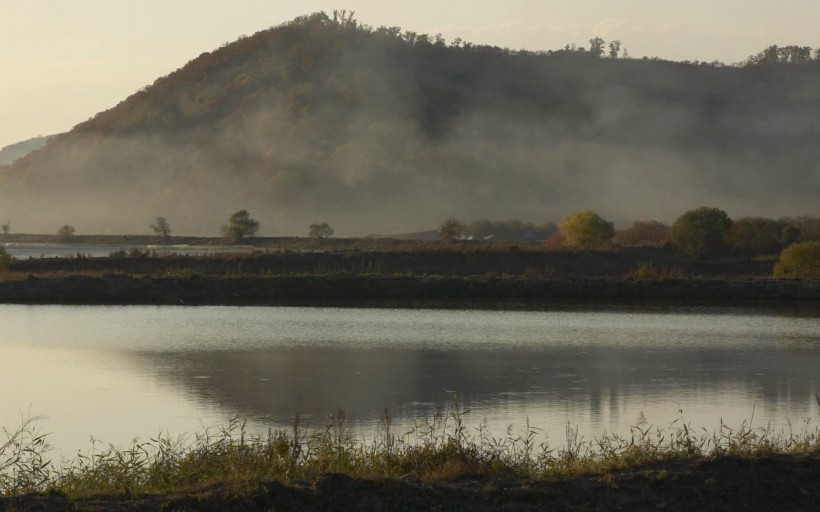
x=799, y=261
x=585, y=228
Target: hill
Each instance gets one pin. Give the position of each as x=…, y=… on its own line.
x=384, y=131
x=12, y=152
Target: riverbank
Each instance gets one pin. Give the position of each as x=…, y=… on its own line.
x=443, y=468
x=342, y=289
x=772, y=483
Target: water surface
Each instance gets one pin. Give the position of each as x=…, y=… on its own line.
x=116, y=373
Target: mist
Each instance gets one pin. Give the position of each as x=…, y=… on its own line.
x=375, y=132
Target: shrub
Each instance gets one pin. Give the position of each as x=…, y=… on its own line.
x=643, y=233
x=585, y=228
x=701, y=232
x=240, y=226
x=66, y=232
x=321, y=231
x=5, y=259
x=799, y=261
x=451, y=230
x=755, y=235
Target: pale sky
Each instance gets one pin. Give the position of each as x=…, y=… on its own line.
x=62, y=61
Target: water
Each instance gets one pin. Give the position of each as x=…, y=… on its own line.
x=118, y=373
x=46, y=250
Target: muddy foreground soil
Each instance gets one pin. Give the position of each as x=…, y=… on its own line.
x=782, y=482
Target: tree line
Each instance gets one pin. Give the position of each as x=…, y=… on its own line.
x=698, y=233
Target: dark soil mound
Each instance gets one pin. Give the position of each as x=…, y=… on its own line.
x=783, y=482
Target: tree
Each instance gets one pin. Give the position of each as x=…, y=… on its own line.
x=450, y=230
x=644, y=233
x=754, y=235
x=701, y=231
x=240, y=226
x=320, y=231
x=66, y=232
x=614, y=49
x=596, y=46
x=162, y=227
x=799, y=261
x=6, y=228
x=585, y=228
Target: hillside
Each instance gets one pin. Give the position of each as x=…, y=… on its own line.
x=12, y=152
x=379, y=131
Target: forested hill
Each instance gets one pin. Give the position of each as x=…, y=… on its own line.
x=380, y=131
x=12, y=152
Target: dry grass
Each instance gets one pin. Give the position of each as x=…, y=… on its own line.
x=440, y=448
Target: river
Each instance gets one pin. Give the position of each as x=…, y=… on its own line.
x=119, y=373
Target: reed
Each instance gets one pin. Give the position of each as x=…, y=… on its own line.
x=441, y=447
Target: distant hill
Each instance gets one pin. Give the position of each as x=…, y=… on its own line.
x=384, y=131
x=12, y=152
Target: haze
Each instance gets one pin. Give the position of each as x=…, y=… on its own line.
x=63, y=61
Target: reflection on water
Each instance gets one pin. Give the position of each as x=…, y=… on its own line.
x=120, y=372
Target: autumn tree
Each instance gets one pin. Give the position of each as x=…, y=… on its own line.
x=799, y=261
x=754, y=235
x=162, y=228
x=585, y=228
x=701, y=231
x=644, y=233
x=240, y=226
x=450, y=230
x=320, y=231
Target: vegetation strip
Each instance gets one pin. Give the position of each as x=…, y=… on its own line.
x=285, y=290
x=439, y=450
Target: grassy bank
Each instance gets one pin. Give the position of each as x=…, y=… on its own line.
x=439, y=460
x=425, y=274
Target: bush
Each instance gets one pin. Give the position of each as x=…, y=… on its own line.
x=5, y=259
x=451, y=230
x=799, y=261
x=240, y=226
x=585, y=228
x=755, y=235
x=701, y=232
x=66, y=232
x=643, y=233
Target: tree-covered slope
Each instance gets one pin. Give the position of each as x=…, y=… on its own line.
x=376, y=130
x=12, y=152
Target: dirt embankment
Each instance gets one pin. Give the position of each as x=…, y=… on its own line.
x=376, y=290
x=787, y=483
